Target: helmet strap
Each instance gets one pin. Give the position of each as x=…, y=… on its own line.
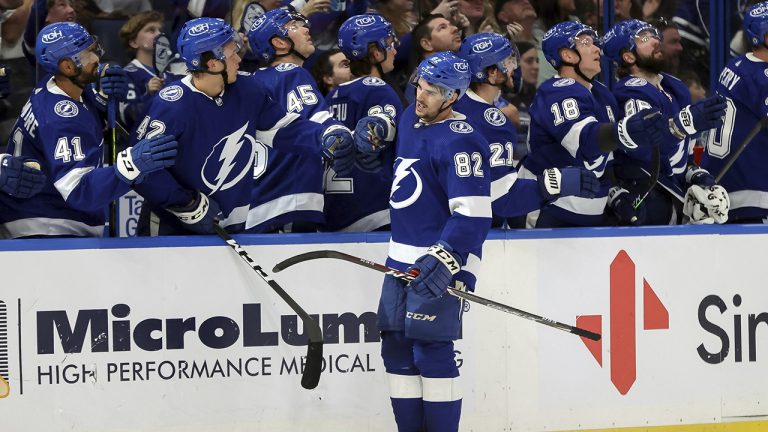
x=577, y=69
x=291, y=51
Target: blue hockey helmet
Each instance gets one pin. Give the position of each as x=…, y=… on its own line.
x=482, y=50
x=756, y=23
x=201, y=35
x=360, y=30
x=623, y=36
x=446, y=71
x=272, y=24
x=563, y=35
x=61, y=40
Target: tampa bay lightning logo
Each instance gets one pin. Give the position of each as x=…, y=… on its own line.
x=230, y=160
x=65, y=108
x=563, y=82
x=172, y=93
x=282, y=67
x=494, y=116
x=635, y=82
x=407, y=184
x=373, y=81
x=461, y=127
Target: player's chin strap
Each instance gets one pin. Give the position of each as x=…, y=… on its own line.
x=291, y=51
x=577, y=69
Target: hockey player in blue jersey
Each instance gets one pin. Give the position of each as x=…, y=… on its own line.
x=574, y=123
x=635, y=47
x=359, y=201
x=64, y=133
x=441, y=212
x=219, y=120
x=280, y=39
x=492, y=62
x=744, y=82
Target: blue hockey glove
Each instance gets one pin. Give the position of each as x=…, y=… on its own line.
x=339, y=148
x=5, y=81
x=148, y=155
x=200, y=215
x=113, y=82
x=705, y=114
x=435, y=270
x=374, y=133
x=20, y=179
x=645, y=128
x=370, y=163
x=699, y=176
x=570, y=181
x=620, y=201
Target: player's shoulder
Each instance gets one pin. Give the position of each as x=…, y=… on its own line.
x=461, y=135
x=558, y=88
x=371, y=81
x=55, y=105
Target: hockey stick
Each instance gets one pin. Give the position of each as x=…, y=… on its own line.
x=311, y=375
x=111, y=150
x=453, y=291
x=656, y=164
x=748, y=139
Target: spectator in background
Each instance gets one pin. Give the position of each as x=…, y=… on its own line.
x=122, y=8
x=432, y=35
x=331, y=69
x=529, y=67
x=691, y=80
x=517, y=11
x=626, y=9
x=473, y=10
x=549, y=13
x=45, y=12
x=671, y=44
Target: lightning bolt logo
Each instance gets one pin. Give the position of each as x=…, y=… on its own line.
x=226, y=153
x=401, y=172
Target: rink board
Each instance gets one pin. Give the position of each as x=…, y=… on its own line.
x=178, y=334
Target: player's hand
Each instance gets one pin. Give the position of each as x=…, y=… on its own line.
x=435, y=270
x=446, y=8
x=148, y=155
x=705, y=114
x=706, y=205
x=374, y=133
x=314, y=6
x=699, y=176
x=621, y=202
x=339, y=149
x=155, y=84
x=368, y=162
x=113, y=82
x=20, y=179
x=513, y=30
x=200, y=215
x=646, y=128
x=571, y=181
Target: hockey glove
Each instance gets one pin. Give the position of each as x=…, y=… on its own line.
x=339, y=149
x=20, y=180
x=148, y=155
x=200, y=215
x=5, y=81
x=113, y=82
x=642, y=129
x=435, y=270
x=706, y=205
x=621, y=202
x=368, y=162
x=703, y=115
x=699, y=176
x=374, y=133
x=570, y=181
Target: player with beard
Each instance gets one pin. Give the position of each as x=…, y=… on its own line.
x=573, y=123
x=635, y=46
x=64, y=133
x=492, y=61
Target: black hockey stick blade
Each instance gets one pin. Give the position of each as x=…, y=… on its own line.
x=656, y=166
x=251, y=13
x=162, y=55
x=748, y=139
x=307, y=256
x=314, y=364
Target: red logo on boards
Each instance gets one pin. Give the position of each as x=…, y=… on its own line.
x=623, y=347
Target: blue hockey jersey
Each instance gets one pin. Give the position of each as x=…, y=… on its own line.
x=565, y=119
x=133, y=109
x=441, y=191
x=359, y=202
x=744, y=81
x=635, y=94
x=65, y=136
x=288, y=187
x=510, y=195
x=217, y=145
